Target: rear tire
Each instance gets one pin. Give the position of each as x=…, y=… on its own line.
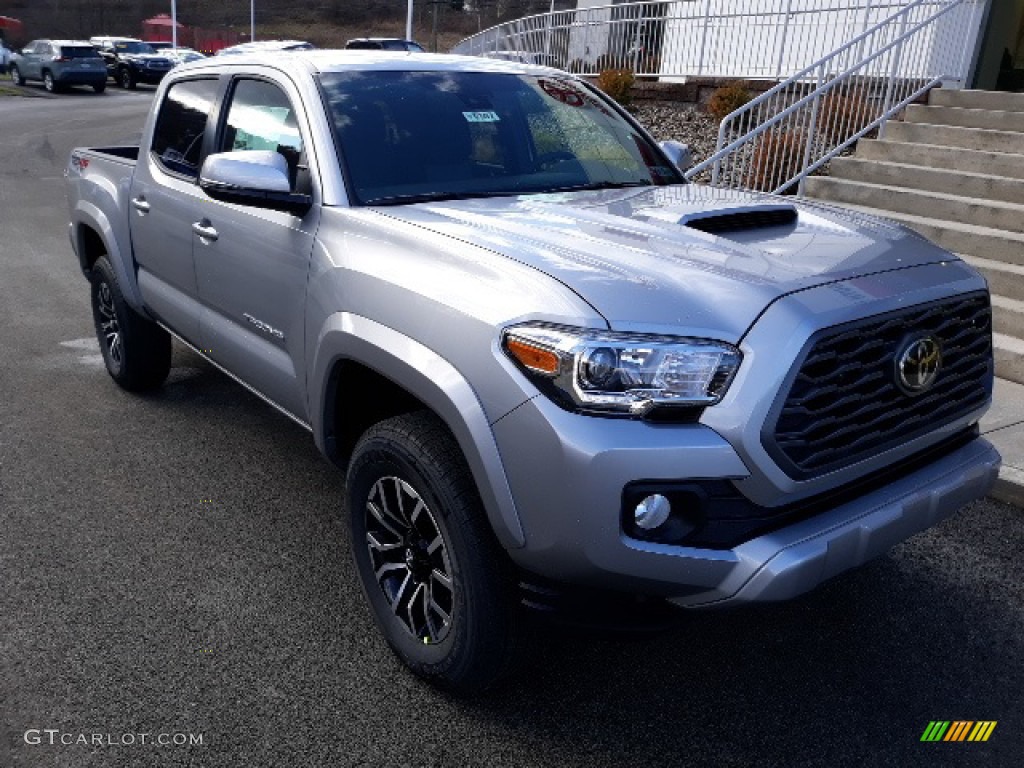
x=136, y=351
x=16, y=76
x=441, y=589
x=100, y=87
x=49, y=83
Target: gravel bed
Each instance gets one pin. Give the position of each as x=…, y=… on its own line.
x=683, y=122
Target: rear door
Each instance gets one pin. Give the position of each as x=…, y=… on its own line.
x=29, y=63
x=164, y=201
x=252, y=262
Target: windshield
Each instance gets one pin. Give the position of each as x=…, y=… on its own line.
x=129, y=47
x=435, y=135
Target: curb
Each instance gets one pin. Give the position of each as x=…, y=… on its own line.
x=1009, y=487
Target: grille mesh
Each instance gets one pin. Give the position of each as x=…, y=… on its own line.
x=844, y=404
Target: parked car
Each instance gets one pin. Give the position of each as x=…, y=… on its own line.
x=182, y=55
x=5, y=57
x=130, y=61
x=550, y=367
x=259, y=46
x=59, y=63
x=384, y=44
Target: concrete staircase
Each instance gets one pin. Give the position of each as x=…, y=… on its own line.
x=954, y=171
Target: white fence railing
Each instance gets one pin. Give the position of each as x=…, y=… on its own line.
x=775, y=141
x=673, y=39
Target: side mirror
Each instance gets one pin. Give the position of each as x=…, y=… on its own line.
x=257, y=177
x=679, y=154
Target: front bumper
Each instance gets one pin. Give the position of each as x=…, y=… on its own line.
x=149, y=76
x=567, y=473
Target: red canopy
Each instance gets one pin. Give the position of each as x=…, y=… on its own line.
x=162, y=20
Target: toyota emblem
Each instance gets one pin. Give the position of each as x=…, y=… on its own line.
x=918, y=364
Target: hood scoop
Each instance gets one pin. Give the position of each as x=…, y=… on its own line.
x=725, y=222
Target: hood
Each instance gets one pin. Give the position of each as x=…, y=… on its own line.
x=683, y=259
x=147, y=58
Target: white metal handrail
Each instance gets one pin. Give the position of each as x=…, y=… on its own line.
x=675, y=39
x=775, y=141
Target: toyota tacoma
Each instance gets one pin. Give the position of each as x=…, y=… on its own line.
x=547, y=363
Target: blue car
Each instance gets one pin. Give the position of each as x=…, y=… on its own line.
x=59, y=63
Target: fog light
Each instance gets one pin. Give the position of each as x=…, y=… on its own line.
x=652, y=512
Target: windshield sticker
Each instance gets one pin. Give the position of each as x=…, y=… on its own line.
x=481, y=117
x=570, y=95
x=563, y=92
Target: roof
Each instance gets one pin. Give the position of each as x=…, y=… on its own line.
x=52, y=41
x=162, y=20
x=332, y=60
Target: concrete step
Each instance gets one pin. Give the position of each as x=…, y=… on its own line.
x=956, y=236
x=1008, y=316
x=1009, y=354
x=966, y=99
x=952, y=136
x=991, y=119
x=935, y=156
x=984, y=186
x=1006, y=280
x=985, y=213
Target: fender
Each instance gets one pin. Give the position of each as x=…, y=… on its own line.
x=434, y=381
x=86, y=214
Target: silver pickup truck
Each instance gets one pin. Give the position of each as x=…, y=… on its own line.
x=550, y=367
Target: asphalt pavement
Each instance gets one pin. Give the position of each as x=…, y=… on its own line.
x=175, y=566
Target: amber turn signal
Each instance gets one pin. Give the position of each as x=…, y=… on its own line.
x=534, y=358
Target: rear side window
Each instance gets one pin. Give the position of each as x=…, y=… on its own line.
x=178, y=138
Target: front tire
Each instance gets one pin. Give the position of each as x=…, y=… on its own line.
x=16, y=76
x=136, y=351
x=126, y=79
x=100, y=87
x=440, y=587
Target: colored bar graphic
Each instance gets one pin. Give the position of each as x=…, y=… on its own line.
x=982, y=730
x=935, y=730
x=958, y=730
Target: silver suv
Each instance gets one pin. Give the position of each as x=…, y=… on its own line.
x=59, y=63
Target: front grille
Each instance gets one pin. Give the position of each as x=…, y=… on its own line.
x=844, y=405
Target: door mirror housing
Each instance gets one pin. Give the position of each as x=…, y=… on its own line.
x=679, y=154
x=257, y=177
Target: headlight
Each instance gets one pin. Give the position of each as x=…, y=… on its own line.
x=625, y=373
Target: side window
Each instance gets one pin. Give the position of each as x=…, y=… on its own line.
x=178, y=137
x=261, y=117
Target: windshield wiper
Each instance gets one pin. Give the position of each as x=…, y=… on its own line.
x=427, y=197
x=601, y=185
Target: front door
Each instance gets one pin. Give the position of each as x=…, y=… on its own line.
x=252, y=262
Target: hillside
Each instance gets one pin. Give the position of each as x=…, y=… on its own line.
x=322, y=22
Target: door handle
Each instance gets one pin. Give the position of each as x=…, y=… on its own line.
x=204, y=230
x=140, y=204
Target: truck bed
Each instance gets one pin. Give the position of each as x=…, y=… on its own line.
x=123, y=152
